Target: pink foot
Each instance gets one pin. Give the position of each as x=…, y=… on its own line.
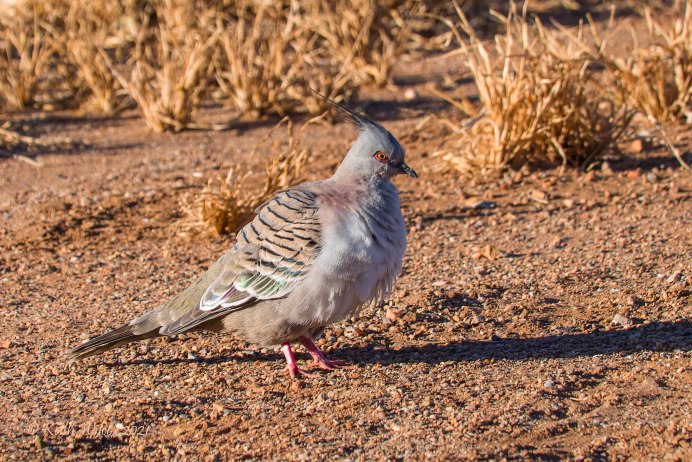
x=291, y=365
x=320, y=360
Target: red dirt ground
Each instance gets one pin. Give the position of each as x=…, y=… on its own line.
x=538, y=316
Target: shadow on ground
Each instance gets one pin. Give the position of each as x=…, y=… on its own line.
x=655, y=336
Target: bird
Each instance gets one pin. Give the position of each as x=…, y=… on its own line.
x=312, y=255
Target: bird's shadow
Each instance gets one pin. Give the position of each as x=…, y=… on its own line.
x=654, y=336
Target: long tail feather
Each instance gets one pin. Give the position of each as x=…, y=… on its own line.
x=115, y=338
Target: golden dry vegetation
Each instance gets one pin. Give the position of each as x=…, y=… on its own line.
x=554, y=94
x=537, y=100
x=163, y=55
x=547, y=94
x=227, y=203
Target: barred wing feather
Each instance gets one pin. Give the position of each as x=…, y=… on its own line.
x=272, y=254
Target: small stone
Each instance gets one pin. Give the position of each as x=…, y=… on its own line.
x=539, y=196
x=673, y=277
x=88, y=224
x=297, y=385
x=621, y=320
x=393, y=314
x=80, y=398
x=410, y=94
x=476, y=204
x=218, y=408
x=636, y=146
x=487, y=251
x=477, y=319
x=549, y=384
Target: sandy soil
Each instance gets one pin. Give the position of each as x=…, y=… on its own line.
x=538, y=316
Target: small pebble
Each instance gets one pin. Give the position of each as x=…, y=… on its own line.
x=621, y=320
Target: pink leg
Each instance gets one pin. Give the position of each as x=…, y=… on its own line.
x=291, y=365
x=320, y=360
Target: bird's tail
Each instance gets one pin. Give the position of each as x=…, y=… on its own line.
x=150, y=324
x=115, y=338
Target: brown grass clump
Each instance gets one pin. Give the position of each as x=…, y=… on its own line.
x=172, y=57
x=655, y=79
x=263, y=56
x=163, y=55
x=228, y=203
x=24, y=55
x=91, y=35
x=273, y=52
x=538, y=106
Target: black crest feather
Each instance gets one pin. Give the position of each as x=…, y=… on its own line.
x=358, y=120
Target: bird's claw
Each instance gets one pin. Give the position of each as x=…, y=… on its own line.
x=328, y=364
x=297, y=373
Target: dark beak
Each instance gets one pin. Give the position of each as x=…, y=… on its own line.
x=403, y=168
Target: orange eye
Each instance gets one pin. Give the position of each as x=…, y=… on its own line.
x=381, y=156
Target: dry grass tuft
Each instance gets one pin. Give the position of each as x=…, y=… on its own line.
x=655, y=79
x=263, y=57
x=537, y=104
x=273, y=52
x=91, y=35
x=24, y=55
x=172, y=57
x=227, y=203
x=163, y=55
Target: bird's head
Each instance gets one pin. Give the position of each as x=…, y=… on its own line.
x=376, y=153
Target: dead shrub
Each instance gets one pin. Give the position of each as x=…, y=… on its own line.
x=359, y=42
x=273, y=52
x=537, y=104
x=24, y=55
x=164, y=54
x=263, y=56
x=92, y=34
x=171, y=63
x=225, y=204
x=655, y=79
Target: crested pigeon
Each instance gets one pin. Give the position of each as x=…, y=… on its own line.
x=313, y=255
